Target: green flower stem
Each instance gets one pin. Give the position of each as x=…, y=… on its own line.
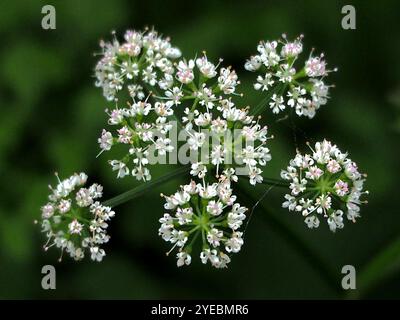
x=275, y=182
x=271, y=182
x=196, y=100
x=330, y=277
x=143, y=188
x=300, y=74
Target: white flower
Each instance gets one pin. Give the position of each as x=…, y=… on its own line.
x=139, y=108
x=312, y=222
x=335, y=221
x=255, y=175
x=296, y=97
x=97, y=254
x=121, y=167
x=84, y=197
x=290, y=202
x=236, y=216
x=173, y=53
x=198, y=169
x=264, y=83
x=314, y=173
x=179, y=237
x=315, y=67
x=64, y=206
x=203, y=119
x=136, y=91
x=323, y=204
x=214, y=208
x=184, y=216
x=253, y=64
x=196, y=140
x=163, y=145
x=185, y=71
x=342, y=188
x=75, y=227
x=206, y=97
x=130, y=69
x=106, y=140
x=268, y=54
x=116, y=116
x=174, y=95
x=234, y=244
x=217, y=156
x=206, y=68
x=47, y=211
x=292, y=49
x=319, y=92
x=183, y=258
x=214, y=236
x=149, y=76
x=227, y=80
x=285, y=73
x=277, y=104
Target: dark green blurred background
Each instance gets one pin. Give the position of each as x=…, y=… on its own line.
x=51, y=116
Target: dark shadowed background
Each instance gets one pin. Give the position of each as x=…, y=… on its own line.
x=51, y=116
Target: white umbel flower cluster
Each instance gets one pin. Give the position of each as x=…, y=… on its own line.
x=208, y=213
x=74, y=220
x=142, y=128
x=204, y=91
x=303, y=89
x=200, y=88
x=324, y=184
x=236, y=139
x=143, y=58
x=199, y=81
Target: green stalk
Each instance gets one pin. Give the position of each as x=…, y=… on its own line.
x=275, y=182
x=271, y=182
x=143, y=188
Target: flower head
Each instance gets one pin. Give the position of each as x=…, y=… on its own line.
x=324, y=184
x=142, y=127
x=204, y=212
x=143, y=57
x=226, y=138
x=303, y=89
x=200, y=81
x=74, y=220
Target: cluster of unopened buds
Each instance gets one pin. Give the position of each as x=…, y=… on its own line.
x=152, y=91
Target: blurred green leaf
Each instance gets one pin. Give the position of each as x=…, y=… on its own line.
x=29, y=68
x=383, y=265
